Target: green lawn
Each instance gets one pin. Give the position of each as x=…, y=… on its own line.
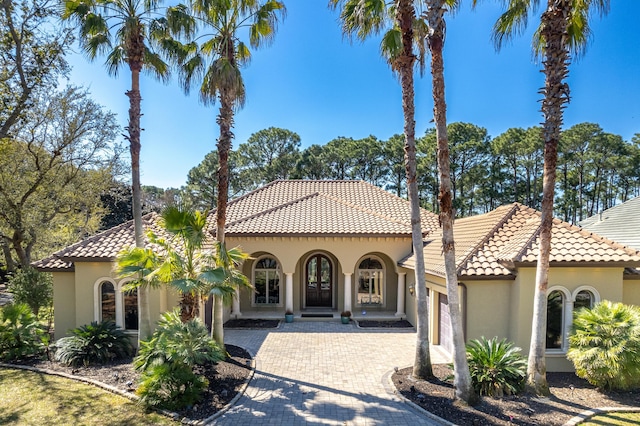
x=614, y=419
x=38, y=399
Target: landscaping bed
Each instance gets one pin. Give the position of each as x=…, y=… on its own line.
x=384, y=324
x=571, y=395
x=225, y=378
x=251, y=323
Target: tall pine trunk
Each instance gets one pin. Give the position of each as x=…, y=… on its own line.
x=144, y=317
x=462, y=379
x=405, y=15
x=556, y=95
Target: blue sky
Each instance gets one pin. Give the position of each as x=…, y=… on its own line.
x=320, y=85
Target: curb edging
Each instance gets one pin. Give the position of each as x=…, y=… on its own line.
x=586, y=415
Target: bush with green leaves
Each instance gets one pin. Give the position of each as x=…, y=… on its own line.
x=167, y=362
x=604, y=345
x=21, y=335
x=496, y=367
x=95, y=343
x=33, y=288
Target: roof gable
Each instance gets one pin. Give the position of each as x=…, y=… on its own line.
x=492, y=244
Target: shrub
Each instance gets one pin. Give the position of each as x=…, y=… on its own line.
x=177, y=342
x=167, y=362
x=604, y=345
x=96, y=343
x=171, y=386
x=20, y=333
x=496, y=367
x=33, y=288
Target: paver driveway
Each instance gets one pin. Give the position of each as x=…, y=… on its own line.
x=324, y=373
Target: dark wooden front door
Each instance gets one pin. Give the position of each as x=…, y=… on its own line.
x=318, y=281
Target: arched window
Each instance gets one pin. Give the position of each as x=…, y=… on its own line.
x=266, y=281
x=131, y=309
x=370, y=282
x=555, y=320
x=107, y=301
x=584, y=299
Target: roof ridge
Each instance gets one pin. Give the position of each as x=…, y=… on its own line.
x=364, y=209
x=273, y=209
x=60, y=253
x=483, y=241
x=523, y=248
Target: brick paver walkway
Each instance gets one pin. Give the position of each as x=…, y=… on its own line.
x=316, y=373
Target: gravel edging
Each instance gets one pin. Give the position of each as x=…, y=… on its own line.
x=586, y=415
x=390, y=387
x=136, y=398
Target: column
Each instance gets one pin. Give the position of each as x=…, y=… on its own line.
x=235, y=307
x=288, y=291
x=347, y=291
x=401, y=284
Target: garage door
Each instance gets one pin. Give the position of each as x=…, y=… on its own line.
x=444, y=324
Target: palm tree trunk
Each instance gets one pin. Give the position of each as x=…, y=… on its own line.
x=144, y=318
x=405, y=15
x=462, y=379
x=556, y=95
x=225, y=121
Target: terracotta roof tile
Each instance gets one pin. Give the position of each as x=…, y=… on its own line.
x=53, y=264
x=492, y=244
x=356, y=203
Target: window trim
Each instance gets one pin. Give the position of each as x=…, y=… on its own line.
x=567, y=313
x=278, y=270
x=384, y=281
x=119, y=296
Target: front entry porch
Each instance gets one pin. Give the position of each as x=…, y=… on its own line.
x=316, y=314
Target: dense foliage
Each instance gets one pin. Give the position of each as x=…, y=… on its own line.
x=20, y=334
x=32, y=288
x=497, y=367
x=168, y=359
x=95, y=343
x=595, y=168
x=605, y=345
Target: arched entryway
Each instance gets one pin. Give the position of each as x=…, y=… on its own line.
x=319, y=281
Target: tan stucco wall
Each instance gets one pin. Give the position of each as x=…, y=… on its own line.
x=488, y=308
x=606, y=281
x=73, y=296
x=64, y=307
x=345, y=254
x=631, y=292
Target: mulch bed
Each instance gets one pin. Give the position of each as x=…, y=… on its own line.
x=384, y=324
x=225, y=378
x=251, y=323
x=571, y=395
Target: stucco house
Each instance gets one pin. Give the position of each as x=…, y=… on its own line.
x=320, y=247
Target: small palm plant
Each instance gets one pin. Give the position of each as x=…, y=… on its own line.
x=168, y=359
x=95, y=343
x=20, y=333
x=496, y=367
x=604, y=345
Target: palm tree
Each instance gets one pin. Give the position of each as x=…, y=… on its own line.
x=217, y=62
x=434, y=15
x=185, y=261
x=398, y=47
x=124, y=30
x=564, y=29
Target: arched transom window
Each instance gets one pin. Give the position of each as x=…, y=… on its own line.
x=370, y=282
x=266, y=282
x=561, y=304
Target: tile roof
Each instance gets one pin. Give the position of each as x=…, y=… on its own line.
x=53, y=264
x=321, y=207
x=620, y=223
x=291, y=207
x=492, y=244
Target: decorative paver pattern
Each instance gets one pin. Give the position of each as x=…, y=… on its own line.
x=317, y=373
